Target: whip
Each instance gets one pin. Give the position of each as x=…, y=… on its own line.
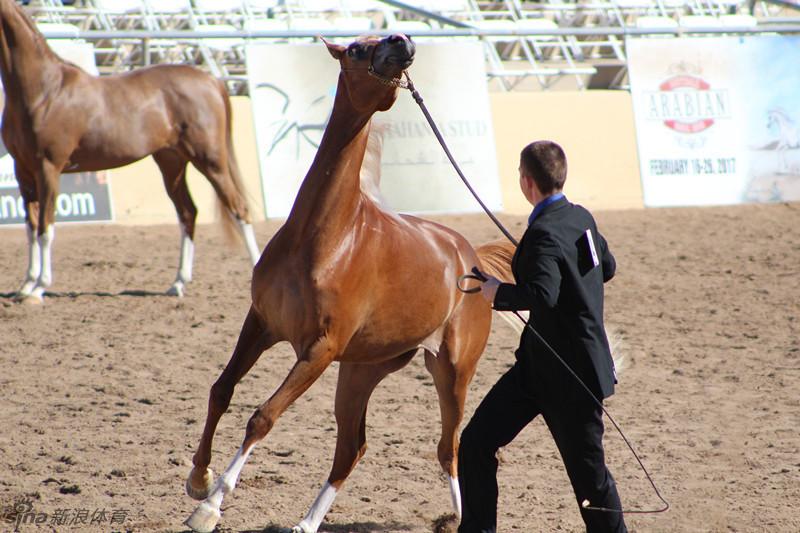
x=477, y=275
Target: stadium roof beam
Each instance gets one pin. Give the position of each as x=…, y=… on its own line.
x=425, y=13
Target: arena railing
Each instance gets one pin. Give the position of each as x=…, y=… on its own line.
x=147, y=39
x=543, y=40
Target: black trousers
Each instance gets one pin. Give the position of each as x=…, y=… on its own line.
x=577, y=428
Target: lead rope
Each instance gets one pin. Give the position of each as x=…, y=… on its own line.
x=418, y=99
x=478, y=276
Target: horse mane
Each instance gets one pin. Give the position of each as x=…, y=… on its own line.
x=39, y=39
x=370, y=173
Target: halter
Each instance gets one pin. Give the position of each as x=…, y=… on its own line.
x=398, y=83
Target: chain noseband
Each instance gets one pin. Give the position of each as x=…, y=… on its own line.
x=398, y=83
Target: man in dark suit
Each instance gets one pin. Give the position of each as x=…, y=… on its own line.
x=559, y=267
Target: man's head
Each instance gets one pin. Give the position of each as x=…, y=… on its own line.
x=545, y=164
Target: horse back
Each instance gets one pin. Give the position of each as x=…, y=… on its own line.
x=184, y=89
x=111, y=121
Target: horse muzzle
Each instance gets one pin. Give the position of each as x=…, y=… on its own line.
x=395, y=52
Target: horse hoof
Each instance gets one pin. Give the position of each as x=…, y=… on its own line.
x=447, y=523
x=176, y=290
x=204, y=519
x=30, y=299
x=198, y=487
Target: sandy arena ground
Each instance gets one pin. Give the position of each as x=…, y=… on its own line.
x=104, y=388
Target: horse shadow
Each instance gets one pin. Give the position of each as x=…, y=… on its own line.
x=102, y=294
x=353, y=527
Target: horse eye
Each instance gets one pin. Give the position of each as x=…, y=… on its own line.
x=357, y=51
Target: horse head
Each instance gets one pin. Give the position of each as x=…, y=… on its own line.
x=372, y=69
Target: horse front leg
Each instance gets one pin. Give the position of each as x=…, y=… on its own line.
x=47, y=190
x=34, y=266
x=254, y=339
x=27, y=189
x=309, y=366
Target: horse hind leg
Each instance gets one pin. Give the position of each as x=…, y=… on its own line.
x=452, y=376
x=222, y=173
x=354, y=388
x=309, y=366
x=173, y=171
x=254, y=339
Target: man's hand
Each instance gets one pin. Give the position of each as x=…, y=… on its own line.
x=489, y=288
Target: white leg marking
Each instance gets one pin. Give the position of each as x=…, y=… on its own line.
x=249, y=240
x=205, y=517
x=34, y=264
x=39, y=250
x=45, y=244
x=185, y=267
x=318, y=510
x=455, y=494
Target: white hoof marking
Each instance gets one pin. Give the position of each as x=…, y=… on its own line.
x=204, y=519
x=177, y=289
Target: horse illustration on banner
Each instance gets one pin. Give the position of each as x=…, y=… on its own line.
x=788, y=136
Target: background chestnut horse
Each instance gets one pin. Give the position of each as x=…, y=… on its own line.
x=345, y=280
x=58, y=118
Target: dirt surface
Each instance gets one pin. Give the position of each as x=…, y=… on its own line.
x=104, y=388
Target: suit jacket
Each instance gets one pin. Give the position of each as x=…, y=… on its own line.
x=559, y=278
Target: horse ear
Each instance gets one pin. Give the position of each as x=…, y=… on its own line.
x=336, y=50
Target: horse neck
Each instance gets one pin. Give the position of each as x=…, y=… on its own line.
x=331, y=191
x=26, y=62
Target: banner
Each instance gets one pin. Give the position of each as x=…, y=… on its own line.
x=717, y=118
x=293, y=87
x=82, y=197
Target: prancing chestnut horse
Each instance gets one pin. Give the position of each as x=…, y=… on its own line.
x=58, y=118
x=345, y=280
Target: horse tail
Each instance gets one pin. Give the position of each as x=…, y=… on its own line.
x=495, y=259
x=240, y=204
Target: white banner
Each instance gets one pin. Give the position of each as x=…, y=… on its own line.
x=292, y=88
x=717, y=118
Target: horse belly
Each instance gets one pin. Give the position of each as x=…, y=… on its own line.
x=104, y=148
x=93, y=162
x=394, y=334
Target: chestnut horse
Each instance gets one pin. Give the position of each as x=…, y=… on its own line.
x=58, y=118
x=345, y=280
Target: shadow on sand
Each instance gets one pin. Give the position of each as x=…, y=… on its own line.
x=102, y=294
